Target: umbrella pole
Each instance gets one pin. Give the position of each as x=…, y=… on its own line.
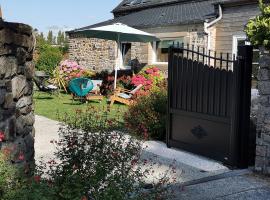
x=118, y=59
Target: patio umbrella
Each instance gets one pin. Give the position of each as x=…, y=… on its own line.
x=119, y=33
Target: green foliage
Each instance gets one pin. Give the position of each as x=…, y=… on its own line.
x=147, y=117
x=258, y=29
x=93, y=161
x=49, y=57
x=50, y=37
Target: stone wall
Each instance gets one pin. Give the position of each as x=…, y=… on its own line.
x=95, y=54
x=16, y=89
x=98, y=55
x=263, y=116
x=140, y=51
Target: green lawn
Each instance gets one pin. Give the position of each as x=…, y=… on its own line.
x=53, y=106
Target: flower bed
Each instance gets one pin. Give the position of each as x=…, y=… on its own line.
x=67, y=70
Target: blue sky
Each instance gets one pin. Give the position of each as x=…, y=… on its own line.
x=57, y=14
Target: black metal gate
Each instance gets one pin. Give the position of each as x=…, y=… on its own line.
x=209, y=103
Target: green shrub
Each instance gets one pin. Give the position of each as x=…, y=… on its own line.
x=258, y=29
x=93, y=161
x=147, y=117
x=49, y=57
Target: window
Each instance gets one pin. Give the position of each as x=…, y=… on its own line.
x=161, y=48
x=242, y=40
x=126, y=54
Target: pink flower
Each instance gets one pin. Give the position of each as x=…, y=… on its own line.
x=149, y=71
x=37, y=179
x=2, y=136
x=21, y=156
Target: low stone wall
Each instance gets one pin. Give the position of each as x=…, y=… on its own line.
x=263, y=116
x=16, y=90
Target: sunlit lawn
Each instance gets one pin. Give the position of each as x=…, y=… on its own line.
x=54, y=106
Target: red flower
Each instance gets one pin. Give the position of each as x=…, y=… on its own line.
x=37, y=179
x=133, y=162
x=2, y=136
x=21, y=156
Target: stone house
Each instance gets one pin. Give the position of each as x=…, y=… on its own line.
x=216, y=25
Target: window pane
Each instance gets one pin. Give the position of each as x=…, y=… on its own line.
x=256, y=56
x=162, y=48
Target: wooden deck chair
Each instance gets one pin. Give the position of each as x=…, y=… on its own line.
x=95, y=92
x=124, y=96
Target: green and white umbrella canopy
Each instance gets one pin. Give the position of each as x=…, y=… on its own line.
x=119, y=33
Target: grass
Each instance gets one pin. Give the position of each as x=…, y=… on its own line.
x=57, y=106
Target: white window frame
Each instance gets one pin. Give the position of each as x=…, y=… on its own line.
x=236, y=38
x=154, y=53
x=123, y=67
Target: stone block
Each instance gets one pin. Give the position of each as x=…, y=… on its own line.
x=19, y=86
x=264, y=87
x=24, y=105
x=2, y=95
x=9, y=103
x=10, y=130
x=29, y=70
x=264, y=74
x=21, y=70
x=29, y=88
x=23, y=55
x=259, y=163
x=265, y=135
x=265, y=61
x=8, y=66
x=24, y=101
x=8, y=85
x=264, y=100
x=14, y=39
x=261, y=151
x=19, y=27
x=7, y=50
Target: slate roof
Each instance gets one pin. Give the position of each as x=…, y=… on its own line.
x=176, y=14
x=126, y=5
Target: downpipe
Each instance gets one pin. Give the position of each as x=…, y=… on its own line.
x=207, y=25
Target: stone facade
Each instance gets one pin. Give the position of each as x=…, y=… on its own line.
x=16, y=89
x=99, y=55
x=139, y=51
x=95, y=54
x=263, y=116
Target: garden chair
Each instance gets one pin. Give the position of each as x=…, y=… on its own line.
x=80, y=88
x=124, y=96
x=41, y=81
x=95, y=92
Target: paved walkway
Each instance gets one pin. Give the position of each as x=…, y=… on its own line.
x=196, y=177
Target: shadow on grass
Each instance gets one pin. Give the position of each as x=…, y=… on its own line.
x=43, y=98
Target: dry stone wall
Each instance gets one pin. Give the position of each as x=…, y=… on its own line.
x=99, y=55
x=16, y=90
x=95, y=54
x=263, y=116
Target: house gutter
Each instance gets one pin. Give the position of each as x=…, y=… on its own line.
x=208, y=25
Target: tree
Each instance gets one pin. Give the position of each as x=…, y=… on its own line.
x=258, y=29
x=50, y=37
x=59, y=38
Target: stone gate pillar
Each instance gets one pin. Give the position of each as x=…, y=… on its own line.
x=263, y=116
x=16, y=90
